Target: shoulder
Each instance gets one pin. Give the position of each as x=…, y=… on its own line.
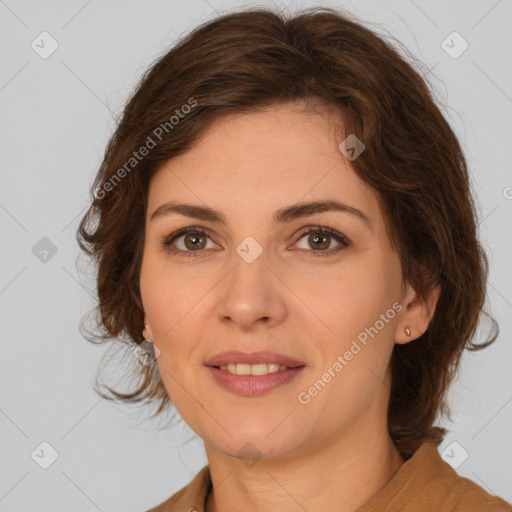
x=473, y=498
x=427, y=483
x=450, y=491
x=190, y=498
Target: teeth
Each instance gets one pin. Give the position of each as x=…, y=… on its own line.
x=253, y=369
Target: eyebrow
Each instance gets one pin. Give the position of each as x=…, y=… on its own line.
x=283, y=215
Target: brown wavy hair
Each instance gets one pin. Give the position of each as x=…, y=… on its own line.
x=255, y=58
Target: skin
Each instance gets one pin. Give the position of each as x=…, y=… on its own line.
x=288, y=301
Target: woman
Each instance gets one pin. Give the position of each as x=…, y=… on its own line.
x=283, y=224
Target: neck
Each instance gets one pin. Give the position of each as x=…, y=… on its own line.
x=353, y=467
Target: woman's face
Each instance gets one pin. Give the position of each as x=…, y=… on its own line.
x=258, y=282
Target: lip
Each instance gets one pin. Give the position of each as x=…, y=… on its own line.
x=254, y=385
x=235, y=356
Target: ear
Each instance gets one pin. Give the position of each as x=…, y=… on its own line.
x=147, y=332
x=416, y=314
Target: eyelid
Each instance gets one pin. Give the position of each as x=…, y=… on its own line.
x=324, y=229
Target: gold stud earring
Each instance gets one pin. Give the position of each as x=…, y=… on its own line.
x=407, y=331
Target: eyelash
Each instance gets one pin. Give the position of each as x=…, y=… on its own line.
x=343, y=241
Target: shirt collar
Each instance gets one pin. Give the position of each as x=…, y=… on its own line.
x=412, y=480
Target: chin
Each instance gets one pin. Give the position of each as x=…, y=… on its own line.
x=252, y=444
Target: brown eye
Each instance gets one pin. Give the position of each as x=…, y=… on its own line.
x=194, y=241
x=188, y=241
x=320, y=239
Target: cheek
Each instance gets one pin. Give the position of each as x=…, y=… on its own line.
x=172, y=302
x=357, y=307
x=348, y=298
x=168, y=297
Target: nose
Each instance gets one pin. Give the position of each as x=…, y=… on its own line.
x=251, y=294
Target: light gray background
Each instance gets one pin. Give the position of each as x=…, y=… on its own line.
x=57, y=115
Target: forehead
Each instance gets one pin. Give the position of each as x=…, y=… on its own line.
x=266, y=159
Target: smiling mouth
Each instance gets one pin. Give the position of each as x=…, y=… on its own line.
x=253, y=369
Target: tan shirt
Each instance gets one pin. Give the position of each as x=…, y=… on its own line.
x=424, y=483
